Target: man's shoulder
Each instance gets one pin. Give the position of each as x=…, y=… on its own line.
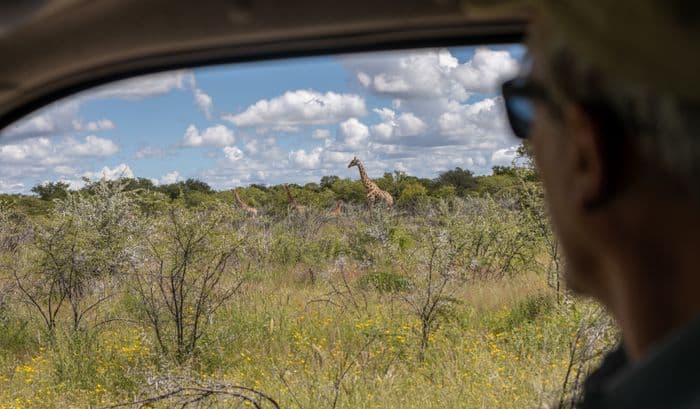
x=666, y=378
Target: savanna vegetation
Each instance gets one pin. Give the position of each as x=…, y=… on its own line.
x=126, y=294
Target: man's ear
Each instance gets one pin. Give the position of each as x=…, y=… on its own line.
x=590, y=167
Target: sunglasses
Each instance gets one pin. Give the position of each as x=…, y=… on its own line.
x=519, y=95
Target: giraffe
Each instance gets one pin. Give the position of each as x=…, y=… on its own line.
x=293, y=206
x=373, y=191
x=253, y=212
x=337, y=210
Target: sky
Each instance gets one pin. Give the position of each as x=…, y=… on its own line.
x=283, y=121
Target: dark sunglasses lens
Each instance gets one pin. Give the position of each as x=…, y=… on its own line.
x=521, y=113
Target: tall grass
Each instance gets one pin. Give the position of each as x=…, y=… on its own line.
x=322, y=319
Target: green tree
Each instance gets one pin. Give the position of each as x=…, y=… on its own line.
x=349, y=190
x=196, y=185
x=445, y=192
x=327, y=181
x=462, y=179
x=175, y=190
x=81, y=251
x=503, y=171
x=414, y=196
x=496, y=184
x=51, y=190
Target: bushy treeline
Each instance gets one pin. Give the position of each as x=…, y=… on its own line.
x=409, y=192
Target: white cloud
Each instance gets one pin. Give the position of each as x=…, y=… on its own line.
x=35, y=148
x=144, y=86
x=252, y=146
x=321, y=134
x=334, y=157
x=395, y=126
x=58, y=118
x=410, y=125
x=481, y=124
x=232, y=153
x=412, y=74
x=364, y=79
x=304, y=160
x=383, y=131
x=301, y=107
x=45, y=152
x=386, y=114
x=76, y=180
x=93, y=146
x=168, y=178
x=204, y=102
x=63, y=117
x=151, y=152
x=64, y=170
x=218, y=135
x=486, y=70
x=400, y=167
x=118, y=172
x=429, y=89
x=94, y=126
x=433, y=73
x=353, y=134
x=11, y=187
x=504, y=157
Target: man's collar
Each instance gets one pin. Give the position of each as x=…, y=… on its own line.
x=666, y=378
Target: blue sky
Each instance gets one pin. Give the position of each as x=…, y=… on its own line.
x=419, y=111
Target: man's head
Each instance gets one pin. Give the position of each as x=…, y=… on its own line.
x=616, y=153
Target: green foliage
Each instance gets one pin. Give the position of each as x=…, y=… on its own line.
x=496, y=184
x=504, y=171
x=97, y=228
x=463, y=180
x=446, y=192
x=88, y=238
x=327, y=181
x=384, y=281
x=349, y=191
x=181, y=286
x=530, y=309
x=378, y=307
x=194, y=193
x=175, y=190
x=194, y=198
x=51, y=190
x=15, y=337
x=414, y=196
x=395, y=183
x=401, y=237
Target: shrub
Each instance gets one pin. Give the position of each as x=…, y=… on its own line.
x=384, y=281
x=530, y=309
x=180, y=280
x=413, y=196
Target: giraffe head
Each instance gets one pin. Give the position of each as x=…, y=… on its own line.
x=354, y=162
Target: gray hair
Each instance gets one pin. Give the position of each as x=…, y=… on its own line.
x=659, y=115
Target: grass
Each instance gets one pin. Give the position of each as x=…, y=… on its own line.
x=312, y=334
x=506, y=346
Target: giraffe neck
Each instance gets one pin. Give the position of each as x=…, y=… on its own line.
x=239, y=200
x=290, y=198
x=365, y=179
